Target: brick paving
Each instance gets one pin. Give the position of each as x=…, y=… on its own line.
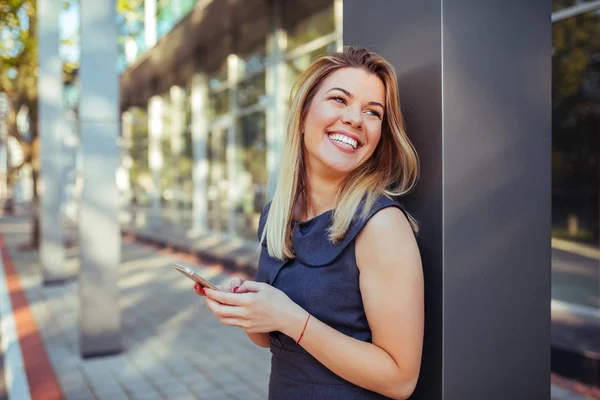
x=173, y=348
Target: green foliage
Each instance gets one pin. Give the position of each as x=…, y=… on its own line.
x=18, y=64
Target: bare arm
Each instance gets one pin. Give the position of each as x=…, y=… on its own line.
x=391, y=284
x=260, y=339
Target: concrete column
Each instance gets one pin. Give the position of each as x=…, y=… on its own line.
x=338, y=14
x=177, y=98
x=155, y=156
x=231, y=150
x=279, y=91
x=475, y=88
x=150, y=23
x=199, y=98
x=51, y=128
x=100, y=238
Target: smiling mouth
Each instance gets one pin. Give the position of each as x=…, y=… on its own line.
x=344, y=140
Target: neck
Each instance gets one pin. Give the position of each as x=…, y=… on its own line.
x=320, y=192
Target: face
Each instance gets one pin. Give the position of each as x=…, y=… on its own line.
x=343, y=125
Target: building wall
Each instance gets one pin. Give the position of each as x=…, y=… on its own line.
x=249, y=70
x=576, y=152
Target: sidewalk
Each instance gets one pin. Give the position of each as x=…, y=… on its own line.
x=173, y=347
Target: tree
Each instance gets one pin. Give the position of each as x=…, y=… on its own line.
x=18, y=79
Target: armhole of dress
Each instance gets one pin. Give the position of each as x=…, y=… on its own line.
x=366, y=221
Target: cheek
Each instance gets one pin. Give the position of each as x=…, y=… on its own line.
x=374, y=137
x=320, y=118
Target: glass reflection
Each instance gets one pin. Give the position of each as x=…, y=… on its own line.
x=252, y=64
x=139, y=173
x=303, y=30
x=251, y=91
x=251, y=161
x=218, y=199
x=575, y=159
x=169, y=12
x=218, y=103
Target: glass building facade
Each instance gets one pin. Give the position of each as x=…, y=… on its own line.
x=576, y=153
x=216, y=128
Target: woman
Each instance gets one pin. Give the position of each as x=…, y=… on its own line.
x=338, y=296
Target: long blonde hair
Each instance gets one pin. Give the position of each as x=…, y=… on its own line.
x=392, y=169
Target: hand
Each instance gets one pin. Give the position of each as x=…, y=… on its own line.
x=231, y=286
x=257, y=308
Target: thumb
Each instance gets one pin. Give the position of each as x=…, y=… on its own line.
x=251, y=286
x=235, y=282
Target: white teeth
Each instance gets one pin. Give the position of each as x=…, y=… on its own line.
x=338, y=137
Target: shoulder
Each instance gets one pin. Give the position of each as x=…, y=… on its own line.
x=386, y=237
x=389, y=223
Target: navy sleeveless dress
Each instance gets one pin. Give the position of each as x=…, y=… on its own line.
x=324, y=280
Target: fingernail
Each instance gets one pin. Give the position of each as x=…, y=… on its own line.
x=235, y=289
x=196, y=287
x=202, y=290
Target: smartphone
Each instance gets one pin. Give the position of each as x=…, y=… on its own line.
x=195, y=276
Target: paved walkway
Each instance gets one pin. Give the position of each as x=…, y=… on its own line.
x=173, y=347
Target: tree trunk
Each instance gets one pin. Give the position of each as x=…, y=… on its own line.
x=35, y=236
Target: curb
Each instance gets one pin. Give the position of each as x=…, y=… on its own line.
x=41, y=379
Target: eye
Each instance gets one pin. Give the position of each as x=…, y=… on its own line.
x=375, y=113
x=339, y=99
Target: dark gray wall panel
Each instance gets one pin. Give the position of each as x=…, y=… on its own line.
x=497, y=138
x=475, y=90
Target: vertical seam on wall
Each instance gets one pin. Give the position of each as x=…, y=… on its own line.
x=443, y=187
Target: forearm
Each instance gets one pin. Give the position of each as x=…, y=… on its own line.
x=259, y=339
x=364, y=364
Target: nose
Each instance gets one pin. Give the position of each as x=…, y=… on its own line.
x=352, y=117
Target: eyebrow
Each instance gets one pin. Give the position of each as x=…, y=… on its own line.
x=347, y=93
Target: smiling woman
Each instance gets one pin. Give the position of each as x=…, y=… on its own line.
x=339, y=277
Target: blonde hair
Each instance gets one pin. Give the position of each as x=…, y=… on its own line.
x=392, y=169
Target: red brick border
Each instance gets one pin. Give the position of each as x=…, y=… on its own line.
x=42, y=381
x=577, y=387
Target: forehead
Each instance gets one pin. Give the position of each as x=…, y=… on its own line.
x=360, y=83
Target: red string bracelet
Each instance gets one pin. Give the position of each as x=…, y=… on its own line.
x=302, y=334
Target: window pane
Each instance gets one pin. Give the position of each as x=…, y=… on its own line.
x=218, y=78
x=296, y=66
x=140, y=175
x=167, y=172
x=218, y=204
x=575, y=158
x=218, y=104
x=186, y=157
x=302, y=28
x=251, y=173
x=169, y=12
x=250, y=92
x=251, y=64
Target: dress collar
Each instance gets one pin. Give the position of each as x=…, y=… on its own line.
x=310, y=239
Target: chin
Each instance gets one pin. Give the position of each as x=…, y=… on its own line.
x=339, y=167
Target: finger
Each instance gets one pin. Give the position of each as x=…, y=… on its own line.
x=237, y=322
x=242, y=289
x=225, y=311
x=198, y=289
x=252, y=286
x=232, y=299
x=235, y=283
